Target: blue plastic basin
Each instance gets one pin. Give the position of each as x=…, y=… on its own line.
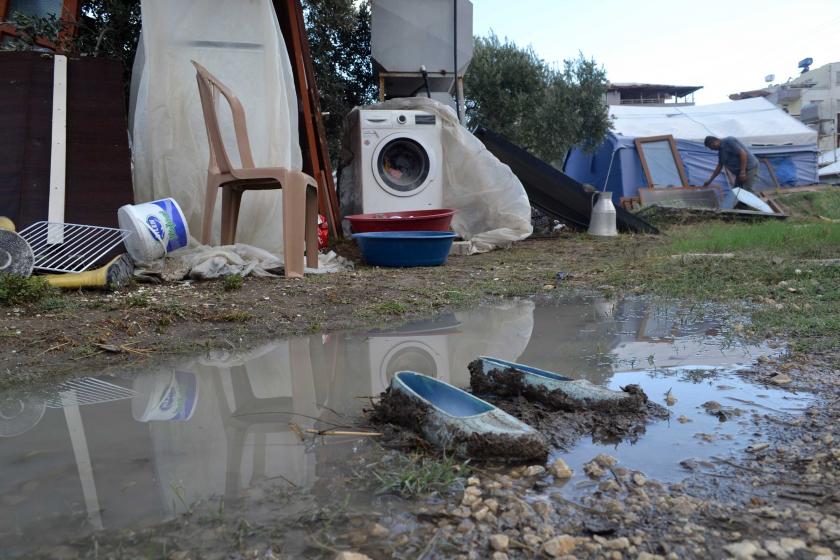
x=405, y=248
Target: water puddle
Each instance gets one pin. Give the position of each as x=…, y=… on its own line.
x=117, y=452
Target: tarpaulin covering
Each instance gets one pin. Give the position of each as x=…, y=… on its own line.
x=769, y=132
x=492, y=207
x=241, y=44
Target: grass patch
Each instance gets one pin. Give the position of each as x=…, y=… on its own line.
x=234, y=316
x=137, y=300
x=823, y=203
x=778, y=238
x=232, y=282
x=390, y=307
x=770, y=278
x=415, y=475
x=17, y=290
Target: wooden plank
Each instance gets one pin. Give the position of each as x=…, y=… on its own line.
x=58, y=152
x=332, y=207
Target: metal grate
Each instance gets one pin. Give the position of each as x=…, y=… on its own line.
x=87, y=390
x=62, y=247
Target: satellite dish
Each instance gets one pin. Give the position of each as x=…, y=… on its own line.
x=805, y=64
x=769, y=78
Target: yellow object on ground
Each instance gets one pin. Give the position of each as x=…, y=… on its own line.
x=115, y=274
x=6, y=223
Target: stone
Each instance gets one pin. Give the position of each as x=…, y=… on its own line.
x=548, y=287
x=351, y=556
x=560, y=469
x=379, y=531
x=593, y=470
x=559, y=546
x=683, y=419
x=481, y=513
x=473, y=481
x=534, y=470
x=500, y=542
x=619, y=543
x=500, y=556
x=744, y=550
x=781, y=379
x=492, y=504
x=639, y=479
x=532, y=540
x=605, y=460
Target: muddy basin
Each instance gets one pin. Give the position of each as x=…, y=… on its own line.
x=109, y=453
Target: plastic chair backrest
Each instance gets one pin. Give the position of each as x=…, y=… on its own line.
x=209, y=88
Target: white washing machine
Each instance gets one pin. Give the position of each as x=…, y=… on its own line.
x=399, y=160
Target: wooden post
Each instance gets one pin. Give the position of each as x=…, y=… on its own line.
x=316, y=160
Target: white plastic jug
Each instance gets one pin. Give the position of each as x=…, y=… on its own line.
x=602, y=219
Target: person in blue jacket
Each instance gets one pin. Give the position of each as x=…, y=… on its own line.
x=735, y=157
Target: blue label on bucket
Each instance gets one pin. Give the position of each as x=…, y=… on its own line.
x=155, y=226
x=175, y=226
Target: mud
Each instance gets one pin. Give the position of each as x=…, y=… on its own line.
x=510, y=383
x=396, y=409
x=564, y=429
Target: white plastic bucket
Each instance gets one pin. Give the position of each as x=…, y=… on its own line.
x=159, y=228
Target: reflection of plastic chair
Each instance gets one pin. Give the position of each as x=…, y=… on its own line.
x=300, y=191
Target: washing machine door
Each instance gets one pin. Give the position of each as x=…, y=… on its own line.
x=403, y=164
x=408, y=355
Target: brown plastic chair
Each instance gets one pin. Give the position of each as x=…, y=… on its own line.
x=300, y=191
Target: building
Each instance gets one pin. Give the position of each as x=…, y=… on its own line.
x=651, y=95
x=813, y=97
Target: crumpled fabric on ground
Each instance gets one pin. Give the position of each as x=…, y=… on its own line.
x=202, y=262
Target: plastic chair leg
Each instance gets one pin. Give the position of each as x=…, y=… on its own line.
x=209, y=206
x=231, y=200
x=294, y=223
x=311, y=225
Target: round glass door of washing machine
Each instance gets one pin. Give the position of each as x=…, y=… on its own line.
x=402, y=166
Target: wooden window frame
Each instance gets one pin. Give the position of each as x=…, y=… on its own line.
x=69, y=12
x=674, y=153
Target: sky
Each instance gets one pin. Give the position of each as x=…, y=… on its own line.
x=725, y=46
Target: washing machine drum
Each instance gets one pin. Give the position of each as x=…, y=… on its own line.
x=403, y=165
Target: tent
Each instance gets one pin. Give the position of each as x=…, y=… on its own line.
x=789, y=146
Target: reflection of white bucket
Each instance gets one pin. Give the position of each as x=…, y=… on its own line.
x=165, y=397
x=159, y=228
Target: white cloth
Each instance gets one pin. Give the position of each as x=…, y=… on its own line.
x=240, y=43
x=202, y=262
x=493, y=208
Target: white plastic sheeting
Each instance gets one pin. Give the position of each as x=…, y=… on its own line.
x=493, y=209
x=752, y=121
x=241, y=44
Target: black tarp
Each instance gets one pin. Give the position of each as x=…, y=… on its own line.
x=551, y=190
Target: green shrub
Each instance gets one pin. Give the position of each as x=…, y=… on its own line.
x=16, y=290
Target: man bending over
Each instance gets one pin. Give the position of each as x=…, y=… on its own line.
x=734, y=156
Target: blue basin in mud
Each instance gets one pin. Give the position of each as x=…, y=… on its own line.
x=405, y=248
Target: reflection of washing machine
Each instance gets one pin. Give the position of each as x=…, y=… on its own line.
x=399, y=160
x=421, y=346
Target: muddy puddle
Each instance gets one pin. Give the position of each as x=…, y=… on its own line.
x=118, y=452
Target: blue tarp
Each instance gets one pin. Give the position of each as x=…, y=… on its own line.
x=616, y=165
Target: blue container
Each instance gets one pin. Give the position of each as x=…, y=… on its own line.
x=405, y=248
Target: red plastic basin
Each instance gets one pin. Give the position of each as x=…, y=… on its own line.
x=437, y=219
